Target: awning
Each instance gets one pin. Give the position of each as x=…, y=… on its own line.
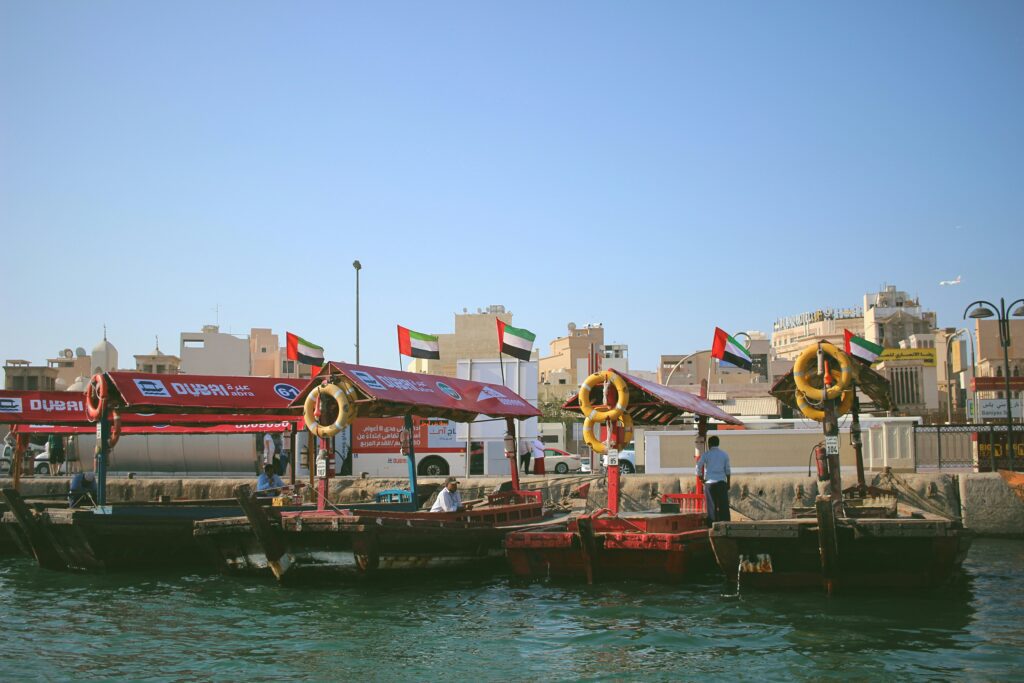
x=393, y=393
x=651, y=403
x=137, y=392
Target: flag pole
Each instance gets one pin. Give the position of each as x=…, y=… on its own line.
x=501, y=361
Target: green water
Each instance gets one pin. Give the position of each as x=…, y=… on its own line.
x=199, y=627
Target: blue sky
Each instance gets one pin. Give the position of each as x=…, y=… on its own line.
x=660, y=167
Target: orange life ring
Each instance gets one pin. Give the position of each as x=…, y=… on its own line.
x=115, y=429
x=95, y=397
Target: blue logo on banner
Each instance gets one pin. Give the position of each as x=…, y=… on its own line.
x=286, y=391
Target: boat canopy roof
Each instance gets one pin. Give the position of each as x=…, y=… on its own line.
x=872, y=383
x=138, y=392
x=61, y=412
x=651, y=403
x=393, y=393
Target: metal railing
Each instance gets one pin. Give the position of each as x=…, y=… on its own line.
x=976, y=447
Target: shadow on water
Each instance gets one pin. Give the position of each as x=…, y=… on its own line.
x=168, y=627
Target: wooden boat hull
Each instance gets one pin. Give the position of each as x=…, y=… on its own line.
x=128, y=537
x=666, y=548
x=333, y=546
x=871, y=553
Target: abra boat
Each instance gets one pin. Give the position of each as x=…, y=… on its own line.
x=851, y=541
x=136, y=535
x=665, y=546
x=340, y=544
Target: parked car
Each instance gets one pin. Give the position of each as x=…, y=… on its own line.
x=560, y=462
x=7, y=457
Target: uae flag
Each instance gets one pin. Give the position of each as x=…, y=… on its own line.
x=303, y=351
x=515, y=342
x=729, y=350
x=861, y=348
x=417, y=345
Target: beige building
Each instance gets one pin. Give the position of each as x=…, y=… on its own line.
x=270, y=359
x=891, y=316
x=70, y=366
x=574, y=357
x=990, y=354
x=790, y=335
x=21, y=375
x=157, y=362
x=475, y=336
x=212, y=352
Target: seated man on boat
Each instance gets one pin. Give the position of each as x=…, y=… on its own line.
x=269, y=481
x=82, y=490
x=713, y=468
x=448, y=498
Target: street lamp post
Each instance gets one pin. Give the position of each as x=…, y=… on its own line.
x=985, y=309
x=949, y=372
x=358, y=266
x=668, y=380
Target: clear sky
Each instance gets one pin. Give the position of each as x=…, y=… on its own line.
x=659, y=167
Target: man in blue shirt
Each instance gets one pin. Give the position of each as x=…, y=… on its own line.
x=713, y=468
x=269, y=483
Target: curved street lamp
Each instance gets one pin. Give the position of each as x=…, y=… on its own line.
x=668, y=379
x=986, y=309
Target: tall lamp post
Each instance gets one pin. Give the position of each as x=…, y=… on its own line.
x=986, y=309
x=358, y=266
x=668, y=380
x=949, y=370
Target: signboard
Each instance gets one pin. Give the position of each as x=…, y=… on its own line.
x=384, y=435
x=926, y=356
x=997, y=384
x=995, y=408
x=832, y=445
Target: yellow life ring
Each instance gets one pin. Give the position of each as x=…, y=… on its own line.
x=346, y=411
x=819, y=415
x=598, y=446
x=806, y=367
x=621, y=402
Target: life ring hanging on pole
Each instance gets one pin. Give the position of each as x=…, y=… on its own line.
x=95, y=397
x=346, y=410
x=115, y=429
x=621, y=401
x=806, y=367
x=819, y=415
x=598, y=446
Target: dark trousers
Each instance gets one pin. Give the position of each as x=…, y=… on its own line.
x=717, y=495
x=524, y=461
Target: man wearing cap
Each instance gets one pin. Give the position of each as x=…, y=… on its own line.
x=448, y=498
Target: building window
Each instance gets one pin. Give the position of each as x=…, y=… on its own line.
x=32, y=383
x=193, y=343
x=161, y=369
x=263, y=349
x=288, y=367
x=561, y=381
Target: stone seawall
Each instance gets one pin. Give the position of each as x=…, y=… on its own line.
x=985, y=502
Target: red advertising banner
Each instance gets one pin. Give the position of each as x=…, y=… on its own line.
x=383, y=435
x=393, y=392
x=242, y=428
x=149, y=393
x=63, y=408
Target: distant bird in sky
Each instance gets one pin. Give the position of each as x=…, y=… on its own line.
x=950, y=282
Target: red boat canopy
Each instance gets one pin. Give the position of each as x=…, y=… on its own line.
x=651, y=403
x=42, y=407
x=393, y=393
x=136, y=392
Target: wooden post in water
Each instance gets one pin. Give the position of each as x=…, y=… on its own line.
x=410, y=456
x=828, y=546
x=830, y=424
x=20, y=446
x=295, y=457
x=102, y=451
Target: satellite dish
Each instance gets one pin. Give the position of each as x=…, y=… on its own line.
x=80, y=352
x=67, y=353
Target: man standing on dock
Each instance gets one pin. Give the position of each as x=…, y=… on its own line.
x=713, y=468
